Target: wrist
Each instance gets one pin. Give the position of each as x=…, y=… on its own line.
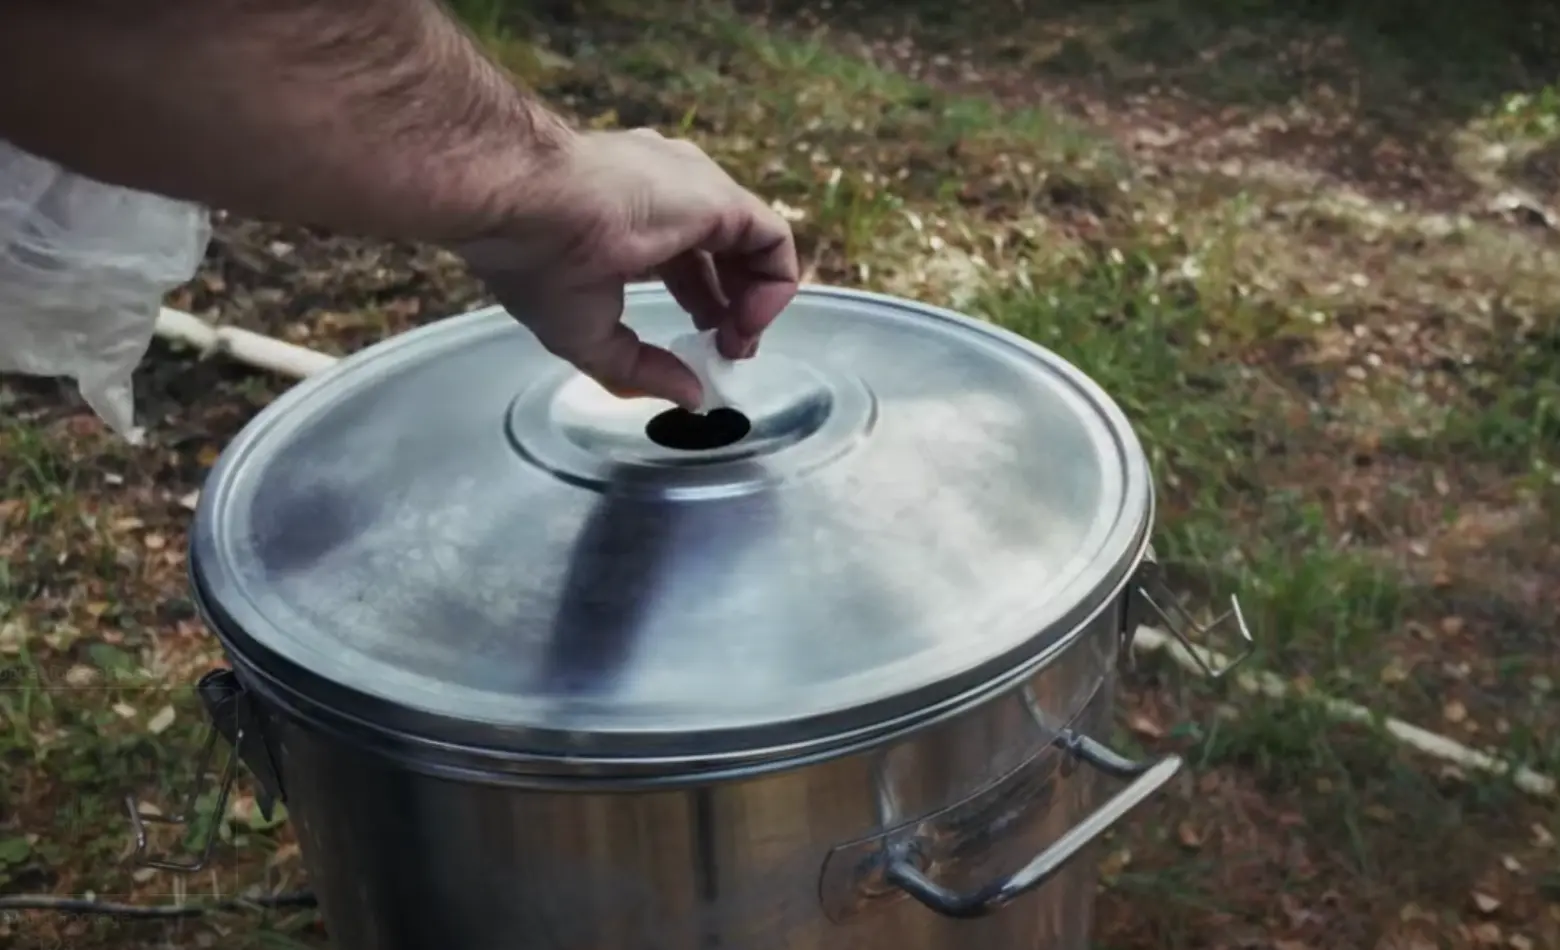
x=510, y=178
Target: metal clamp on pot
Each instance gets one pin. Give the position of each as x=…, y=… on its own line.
x=1151, y=599
x=235, y=720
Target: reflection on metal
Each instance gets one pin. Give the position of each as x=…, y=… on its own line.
x=907, y=861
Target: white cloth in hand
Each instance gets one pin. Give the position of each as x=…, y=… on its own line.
x=699, y=352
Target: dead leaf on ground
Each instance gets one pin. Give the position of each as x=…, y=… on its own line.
x=1189, y=836
x=1144, y=726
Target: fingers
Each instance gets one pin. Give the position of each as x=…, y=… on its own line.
x=742, y=269
x=597, y=343
x=754, y=254
x=628, y=367
x=693, y=283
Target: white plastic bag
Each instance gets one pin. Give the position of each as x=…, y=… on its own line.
x=700, y=354
x=84, y=267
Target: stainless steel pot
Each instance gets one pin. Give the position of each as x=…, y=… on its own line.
x=527, y=677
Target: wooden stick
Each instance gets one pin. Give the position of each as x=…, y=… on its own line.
x=1533, y=783
x=287, y=359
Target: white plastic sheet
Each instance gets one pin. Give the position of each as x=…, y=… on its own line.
x=84, y=267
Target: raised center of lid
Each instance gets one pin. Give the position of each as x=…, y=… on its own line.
x=784, y=416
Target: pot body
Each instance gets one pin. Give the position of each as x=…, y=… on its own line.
x=792, y=858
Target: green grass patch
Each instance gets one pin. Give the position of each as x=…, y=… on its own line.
x=1206, y=418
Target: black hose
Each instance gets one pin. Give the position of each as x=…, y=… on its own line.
x=81, y=905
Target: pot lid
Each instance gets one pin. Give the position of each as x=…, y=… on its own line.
x=454, y=536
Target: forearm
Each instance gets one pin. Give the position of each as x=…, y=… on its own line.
x=376, y=117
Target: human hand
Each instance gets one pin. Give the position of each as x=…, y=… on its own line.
x=612, y=206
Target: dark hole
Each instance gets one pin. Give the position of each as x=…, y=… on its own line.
x=692, y=432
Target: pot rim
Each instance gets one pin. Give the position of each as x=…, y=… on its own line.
x=466, y=762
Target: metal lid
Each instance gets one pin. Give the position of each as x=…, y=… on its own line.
x=454, y=536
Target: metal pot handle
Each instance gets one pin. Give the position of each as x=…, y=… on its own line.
x=904, y=868
x=234, y=719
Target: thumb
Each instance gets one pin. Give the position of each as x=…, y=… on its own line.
x=627, y=367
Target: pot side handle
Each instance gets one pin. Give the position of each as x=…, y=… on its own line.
x=904, y=872
x=234, y=719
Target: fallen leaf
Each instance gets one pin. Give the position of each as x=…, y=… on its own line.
x=1116, y=862
x=1487, y=934
x=85, y=425
x=1188, y=835
x=1485, y=903
x=1519, y=942
x=1144, y=726
x=80, y=676
x=155, y=542
x=286, y=853
x=124, y=711
x=1542, y=837
x=241, y=808
x=1454, y=711
x=160, y=721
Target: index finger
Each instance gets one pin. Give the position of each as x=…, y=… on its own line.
x=755, y=256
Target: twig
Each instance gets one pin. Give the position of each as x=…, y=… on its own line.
x=83, y=905
x=1420, y=740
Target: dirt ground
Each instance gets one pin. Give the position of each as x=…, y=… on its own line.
x=1313, y=254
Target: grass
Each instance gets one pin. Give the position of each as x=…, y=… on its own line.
x=1340, y=360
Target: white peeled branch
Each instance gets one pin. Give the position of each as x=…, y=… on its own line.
x=288, y=359
x=245, y=346
x=1420, y=740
